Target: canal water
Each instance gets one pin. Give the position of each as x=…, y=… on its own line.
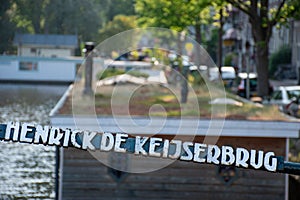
x=27, y=171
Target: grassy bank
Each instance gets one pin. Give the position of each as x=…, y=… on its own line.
x=156, y=100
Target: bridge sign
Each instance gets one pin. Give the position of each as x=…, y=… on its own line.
x=147, y=146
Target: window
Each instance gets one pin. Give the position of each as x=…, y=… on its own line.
x=28, y=66
x=293, y=93
x=253, y=84
x=277, y=95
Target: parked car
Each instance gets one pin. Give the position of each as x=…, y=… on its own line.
x=213, y=71
x=286, y=97
x=228, y=75
x=239, y=86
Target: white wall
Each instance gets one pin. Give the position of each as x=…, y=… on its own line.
x=26, y=51
x=47, y=70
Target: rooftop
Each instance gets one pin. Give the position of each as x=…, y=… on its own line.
x=53, y=40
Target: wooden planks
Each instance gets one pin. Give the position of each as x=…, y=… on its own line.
x=84, y=177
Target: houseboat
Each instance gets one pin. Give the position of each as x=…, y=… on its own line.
x=38, y=69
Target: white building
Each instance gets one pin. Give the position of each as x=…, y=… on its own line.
x=296, y=48
x=45, y=45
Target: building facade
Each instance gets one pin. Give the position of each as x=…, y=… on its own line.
x=46, y=45
x=296, y=48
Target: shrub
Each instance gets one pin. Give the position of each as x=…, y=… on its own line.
x=109, y=72
x=228, y=60
x=137, y=73
x=282, y=56
x=196, y=78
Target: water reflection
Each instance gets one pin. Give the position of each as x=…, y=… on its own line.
x=27, y=171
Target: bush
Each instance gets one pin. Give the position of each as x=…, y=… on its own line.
x=228, y=60
x=196, y=78
x=114, y=72
x=137, y=73
x=282, y=56
x=109, y=72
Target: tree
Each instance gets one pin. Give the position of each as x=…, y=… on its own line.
x=81, y=17
x=211, y=44
x=176, y=15
x=263, y=17
x=6, y=26
x=29, y=14
x=119, y=7
x=218, y=6
x=119, y=24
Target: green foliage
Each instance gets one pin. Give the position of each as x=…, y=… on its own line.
x=81, y=17
x=282, y=56
x=119, y=24
x=109, y=73
x=196, y=79
x=119, y=7
x=6, y=27
x=179, y=15
x=137, y=74
x=114, y=72
x=212, y=44
x=29, y=14
x=296, y=6
x=228, y=59
x=176, y=15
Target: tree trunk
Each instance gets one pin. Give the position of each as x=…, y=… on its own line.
x=262, y=60
x=261, y=36
x=182, y=69
x=197, y=52
x=198, y=33
x=37, y=16
x=220, y=41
